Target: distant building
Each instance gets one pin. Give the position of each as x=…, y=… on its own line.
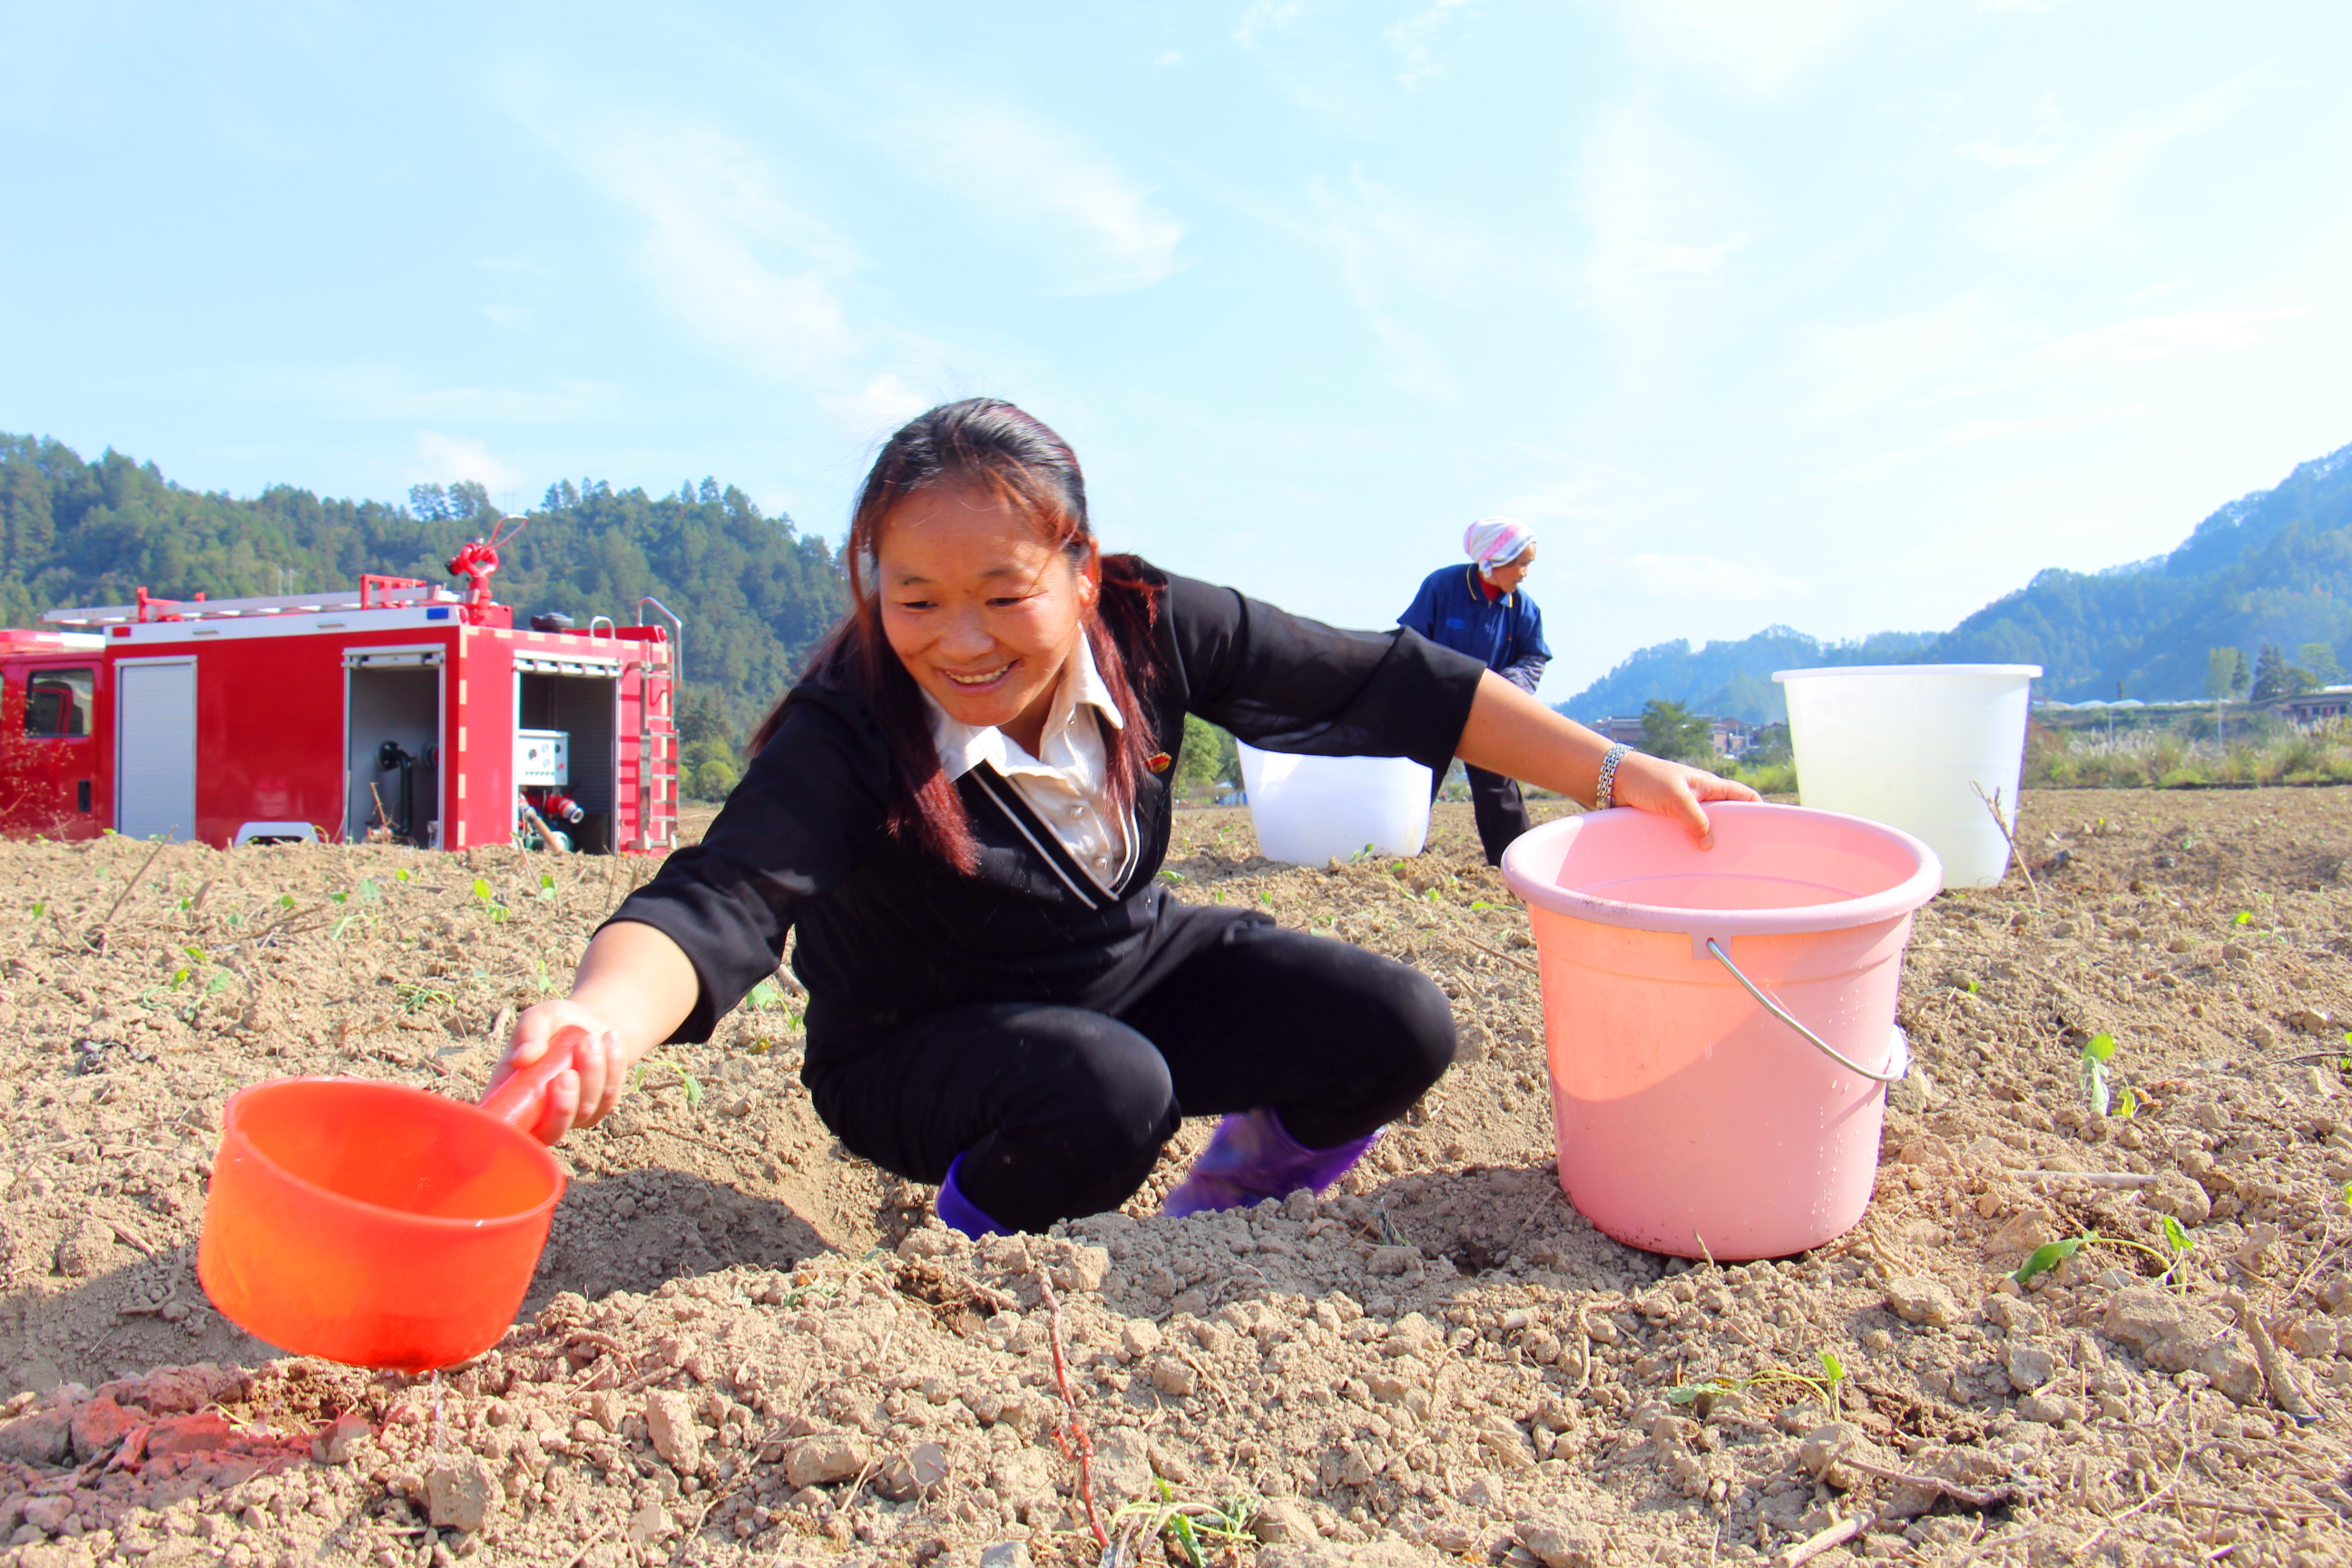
x=1731, y=737
x=2313, y=707
x=1621, y=732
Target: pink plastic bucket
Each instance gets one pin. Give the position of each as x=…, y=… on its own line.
x=1693, y=1115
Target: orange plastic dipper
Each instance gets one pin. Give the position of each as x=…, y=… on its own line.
x=376, y=1224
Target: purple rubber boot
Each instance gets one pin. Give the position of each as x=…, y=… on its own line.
x=1254, y=1157
x=961, y=1213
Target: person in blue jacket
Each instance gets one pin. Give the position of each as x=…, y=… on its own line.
x=1479, y=609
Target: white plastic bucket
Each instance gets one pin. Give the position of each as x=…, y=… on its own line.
x=1310, y=810
x=1910, y=745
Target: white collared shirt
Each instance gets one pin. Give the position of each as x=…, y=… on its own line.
x=1068, y=784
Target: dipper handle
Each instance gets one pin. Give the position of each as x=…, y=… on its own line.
x=517, y=1102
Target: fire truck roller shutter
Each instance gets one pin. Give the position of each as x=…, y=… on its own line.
x=583, y=698
x=155, y=749
x=393, y=712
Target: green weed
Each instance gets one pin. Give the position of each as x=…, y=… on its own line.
x=687, y=1080
x=1191, y=1530
x=416, y=996
x=2176, y=1247
x=1826, y=1387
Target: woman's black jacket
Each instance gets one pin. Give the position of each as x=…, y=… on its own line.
x=889, y=932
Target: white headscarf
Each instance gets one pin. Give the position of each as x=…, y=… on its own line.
x=1493, y=541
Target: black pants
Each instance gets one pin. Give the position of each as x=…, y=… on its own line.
x=1494, y=801
x=1060, y=1112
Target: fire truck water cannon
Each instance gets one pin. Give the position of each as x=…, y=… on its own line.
x=480, y=558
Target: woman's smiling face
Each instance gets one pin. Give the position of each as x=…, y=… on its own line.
x=980, y=607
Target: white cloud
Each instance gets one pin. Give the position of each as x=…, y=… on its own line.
x=1169, y=57
x=1415, y=40
x=1850, y=369
x=2162, y=337
x=374, y=391
x=1655, y=203
x=2079, y=201
x=726, y=254
x=442, y=459
x=512, y=318
x=1707, y=579
x=1387, y=248
x=1261, y=18
x=880, y=406
x=1967, y=347
x=1096, y=230
x=2000, y=157
x=1757, y=46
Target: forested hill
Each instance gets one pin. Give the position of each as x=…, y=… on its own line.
x=2273, y=567
x=1730, y=678
x=754, y=591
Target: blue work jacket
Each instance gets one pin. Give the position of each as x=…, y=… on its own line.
x=1452, y=610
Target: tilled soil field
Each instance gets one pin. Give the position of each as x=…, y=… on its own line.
x=743, y=1346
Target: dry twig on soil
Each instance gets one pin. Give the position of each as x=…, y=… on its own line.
x=1071, y=1434
x=1498, y=952
x=1992, y=805
x=95, y=936
x=1836, y=1535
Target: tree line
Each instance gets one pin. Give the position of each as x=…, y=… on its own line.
x=754, y=591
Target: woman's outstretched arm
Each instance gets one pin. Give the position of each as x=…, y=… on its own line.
x=632, y=989
x=1510, y=733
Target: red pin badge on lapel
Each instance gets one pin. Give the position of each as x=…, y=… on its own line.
x=1158, y=761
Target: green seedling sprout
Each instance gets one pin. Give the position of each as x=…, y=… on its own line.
x=1825, y=1387
x=367, y=892
x=2127, y=1103
x=2096, y=1052
x=400, y=873
x=2245, y=918
x=547, y=884
x=40, y=908
x=285, y=901
x=687, y=1080
x=217, y=983
x=2177, y=1248
x=1482, y=904
x=339, y=897
x=1172, y=874
x=179, y=978
x=492, y=910
x=1187, y=1526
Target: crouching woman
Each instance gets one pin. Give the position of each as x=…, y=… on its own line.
x=963, y=809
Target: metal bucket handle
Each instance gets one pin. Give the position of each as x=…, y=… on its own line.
x=1902, y=1045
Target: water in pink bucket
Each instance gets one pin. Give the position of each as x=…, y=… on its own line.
x=1720, y=1023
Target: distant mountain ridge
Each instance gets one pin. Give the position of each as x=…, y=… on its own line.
x=2275, y=567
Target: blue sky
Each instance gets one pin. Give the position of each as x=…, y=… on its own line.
x=1845, y=315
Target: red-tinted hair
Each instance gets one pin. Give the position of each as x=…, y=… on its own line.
x=985, y=444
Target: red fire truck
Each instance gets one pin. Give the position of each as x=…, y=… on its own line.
x=400, y=711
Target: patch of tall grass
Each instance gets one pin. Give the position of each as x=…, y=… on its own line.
x=2170, y=759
